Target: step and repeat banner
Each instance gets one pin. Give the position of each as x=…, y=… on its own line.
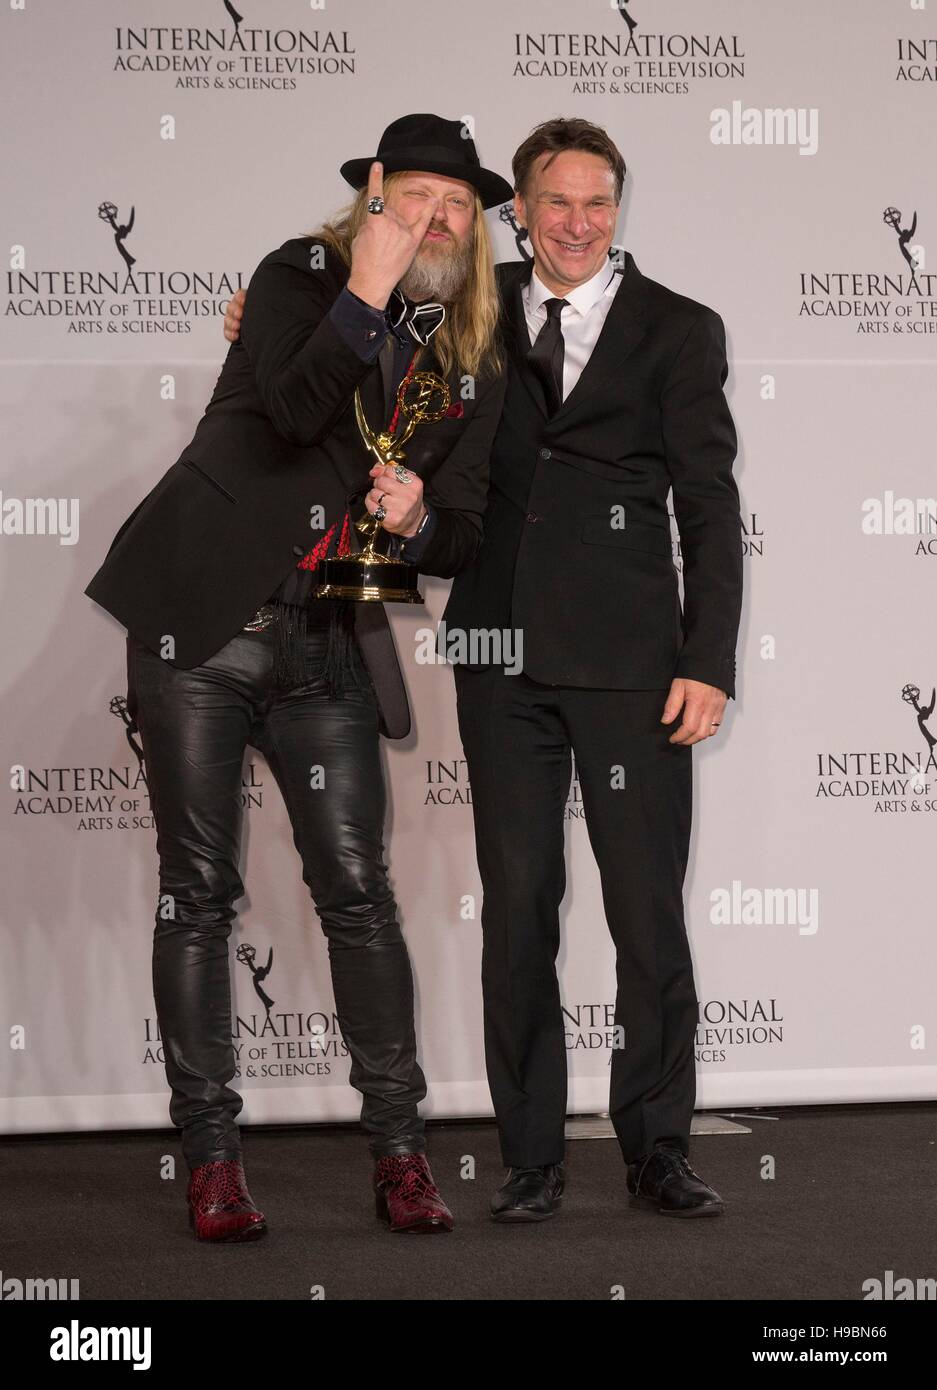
x=781, y=170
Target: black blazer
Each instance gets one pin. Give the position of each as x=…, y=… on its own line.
x=223, y=526
x=599, y=606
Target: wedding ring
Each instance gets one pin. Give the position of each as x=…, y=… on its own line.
x=403, y=475
x=376, y=205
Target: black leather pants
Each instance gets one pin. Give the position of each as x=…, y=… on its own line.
x=194, y=727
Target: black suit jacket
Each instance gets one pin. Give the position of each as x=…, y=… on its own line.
x=598, y=605
x=221, y=529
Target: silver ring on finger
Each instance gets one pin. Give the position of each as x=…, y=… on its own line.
x=376, y=206
x=379, y=513
x=403, y=475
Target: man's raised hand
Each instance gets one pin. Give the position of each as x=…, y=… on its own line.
x=381, y=254
x=385, y=247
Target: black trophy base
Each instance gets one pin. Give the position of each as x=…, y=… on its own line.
x=369, y=581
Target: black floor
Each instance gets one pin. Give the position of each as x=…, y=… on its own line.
x=851, y=1198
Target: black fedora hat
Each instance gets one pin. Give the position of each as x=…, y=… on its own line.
x=431, y=145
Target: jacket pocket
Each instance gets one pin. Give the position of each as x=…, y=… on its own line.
x=598, y=530
x=188, y=463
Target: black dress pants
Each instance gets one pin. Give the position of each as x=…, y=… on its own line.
x=194, y=727
x=636, y=792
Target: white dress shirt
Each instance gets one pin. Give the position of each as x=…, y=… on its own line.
x=581, y=320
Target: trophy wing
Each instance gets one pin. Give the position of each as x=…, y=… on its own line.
x=364, y=429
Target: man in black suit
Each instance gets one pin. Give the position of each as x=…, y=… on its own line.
x=614, y=397
x=214, y=576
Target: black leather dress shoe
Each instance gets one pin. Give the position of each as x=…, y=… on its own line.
x=530, y=1194
x=666, y=1179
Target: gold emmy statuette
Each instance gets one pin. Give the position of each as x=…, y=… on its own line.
x=373, y=574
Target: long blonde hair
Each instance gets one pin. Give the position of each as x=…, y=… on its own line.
x=468, y=338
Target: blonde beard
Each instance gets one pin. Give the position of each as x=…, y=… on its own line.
x=439, y=278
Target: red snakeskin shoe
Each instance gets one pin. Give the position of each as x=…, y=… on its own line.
x=220, y=1206
x=406, y=1196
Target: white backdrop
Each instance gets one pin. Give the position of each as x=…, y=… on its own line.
x=810, y=917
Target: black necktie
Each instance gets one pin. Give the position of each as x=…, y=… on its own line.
x=546, y=355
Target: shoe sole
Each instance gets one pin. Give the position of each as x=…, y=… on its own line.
x=249, y=1233
x=419, y=1228
x=520, y=1217
x=646, y=1203
x=423, y=1228
x=254, y=1232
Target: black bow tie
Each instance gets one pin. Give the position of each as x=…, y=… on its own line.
x=422, y=320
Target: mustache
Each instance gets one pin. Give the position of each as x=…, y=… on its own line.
x=439, y=277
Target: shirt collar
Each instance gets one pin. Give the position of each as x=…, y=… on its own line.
x=582, y=298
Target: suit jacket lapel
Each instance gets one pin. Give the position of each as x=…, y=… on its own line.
x=516, y=336
x=624, y=327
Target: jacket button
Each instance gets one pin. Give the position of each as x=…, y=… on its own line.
x=532, y=516
x=546, y=454
x=298, y=550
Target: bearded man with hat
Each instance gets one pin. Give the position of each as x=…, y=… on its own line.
x=214, y=575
